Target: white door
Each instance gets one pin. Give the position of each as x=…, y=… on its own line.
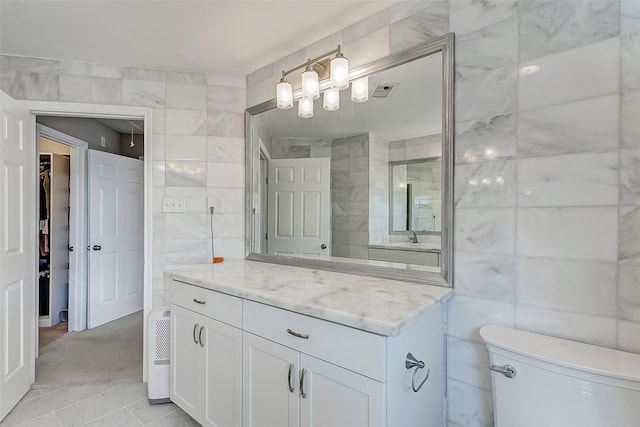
x=299, y=207
x=336, y=397
x=270, y=388
x=18, y=237
x=115, y=237
x=59, y=238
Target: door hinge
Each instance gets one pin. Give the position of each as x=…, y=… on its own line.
x=266, y=236
x=266, y=180
x=67, y=266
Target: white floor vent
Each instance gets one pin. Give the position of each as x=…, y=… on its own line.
x=159, y=351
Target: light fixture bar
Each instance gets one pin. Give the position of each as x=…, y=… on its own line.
x=312, y=61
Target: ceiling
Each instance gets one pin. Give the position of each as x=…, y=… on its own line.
x=413, y=109
x=233, y=37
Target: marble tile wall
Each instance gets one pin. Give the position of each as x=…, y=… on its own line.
x=350, y=197
x=378, y=190
x=198, y=145
x=552, y=246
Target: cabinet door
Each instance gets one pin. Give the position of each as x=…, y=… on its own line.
x=336, y=397
x=186, y=360
x=267, y=398
x=222, y=376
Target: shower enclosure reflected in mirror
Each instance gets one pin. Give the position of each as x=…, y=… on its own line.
x=322, y=191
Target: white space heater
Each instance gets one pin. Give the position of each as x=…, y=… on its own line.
x=158, y=355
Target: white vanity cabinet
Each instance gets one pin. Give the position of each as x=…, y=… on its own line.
x=206, y=355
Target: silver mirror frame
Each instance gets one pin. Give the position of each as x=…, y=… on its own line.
x=444, y=44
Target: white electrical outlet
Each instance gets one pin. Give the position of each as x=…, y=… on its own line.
x=103, y=141
x=217, y=203
x=173, y=204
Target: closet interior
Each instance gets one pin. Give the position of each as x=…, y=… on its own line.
x=53, y=248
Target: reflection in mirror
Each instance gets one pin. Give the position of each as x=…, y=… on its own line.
x=366, y=188
x=416, y=187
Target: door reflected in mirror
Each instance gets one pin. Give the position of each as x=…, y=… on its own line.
x=362, y=185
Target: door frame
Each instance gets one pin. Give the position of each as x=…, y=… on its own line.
x=78, y=284
x=94, y=111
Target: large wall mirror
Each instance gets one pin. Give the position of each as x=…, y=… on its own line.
x=366, y=189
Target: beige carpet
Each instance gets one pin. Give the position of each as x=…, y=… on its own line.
x=108, y=354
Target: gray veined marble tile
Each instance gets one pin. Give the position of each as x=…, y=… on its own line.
x=186, y=77
x=143, y=93
x=630, y=177
x=222, y=123
x=487, y=230
x=187, y=225
x=565, y=25
x=34, y=65
x=629, y=123
x=630, y=61
x=186, y=96
x=35, y=86
x=265, y=73
x=106, y=71
x=630, y=11
x=468, y=405
x=225, y=149
x=226, y=80
x=5, y=65
x=485, y=275
x=75, y=88
x=470, y=15
x=366, y=26
x=525, y=6
x=147, y=74
x=225, y=175
x=630, y=235
x=628, y=333
x=185, y=147
x=491, y=184
x=404, y=9
x=629, y=292
x=467, y=362
x=587, y=233
x=106, y=90
x=486, y=94
x=574, y=74
x=486, y=140
x=488, y=48
x=466, y=315
x=554, y=283
x=186, y=174
x=420, y=27
x=185, y=122
x=584, y=179
x=587, y=125
x=75, y=68
x=232, y=99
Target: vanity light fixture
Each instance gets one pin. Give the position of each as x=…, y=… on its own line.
x=360, y=90
x=336, y=71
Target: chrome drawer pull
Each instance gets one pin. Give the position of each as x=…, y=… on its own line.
x=197, y=301
x=298, y=334
x=200, y=336
x=302, y=393
x=506, y=370
x=291, y=368
x=411, y=362
x=195, y=340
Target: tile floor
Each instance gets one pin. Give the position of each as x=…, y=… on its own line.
x=119, y=405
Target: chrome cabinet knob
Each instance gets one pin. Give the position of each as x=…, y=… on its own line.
x=323, y=246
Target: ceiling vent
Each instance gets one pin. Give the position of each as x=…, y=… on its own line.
x=384, y=90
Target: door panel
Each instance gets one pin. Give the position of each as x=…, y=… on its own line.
x=115, y=237
x=299, y=207
x=18, y=237
x=336, y=397
x=59, y=238
x=185, y=360
x=267, y=400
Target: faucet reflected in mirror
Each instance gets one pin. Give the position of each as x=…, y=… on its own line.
x=413, y=238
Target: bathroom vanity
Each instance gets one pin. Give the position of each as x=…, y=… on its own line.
x=408, y=253
x=258, y=344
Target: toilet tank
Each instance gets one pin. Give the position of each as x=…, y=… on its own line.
x=561, y=383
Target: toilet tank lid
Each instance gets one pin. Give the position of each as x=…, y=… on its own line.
x=591, y=358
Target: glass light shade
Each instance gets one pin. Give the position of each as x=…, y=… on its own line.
x=284, y=95
x=305, y=107
x=310, y=85
x=360, y=90
x=331, y=99
x=340, y=72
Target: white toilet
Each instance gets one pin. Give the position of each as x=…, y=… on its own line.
x=540, y=381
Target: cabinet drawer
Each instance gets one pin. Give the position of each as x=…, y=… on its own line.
x=216, y=305
x=353, y=349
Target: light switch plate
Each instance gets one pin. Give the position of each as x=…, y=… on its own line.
x=217, y=203
x=173, y=204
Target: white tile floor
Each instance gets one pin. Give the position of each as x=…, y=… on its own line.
x=118, y=405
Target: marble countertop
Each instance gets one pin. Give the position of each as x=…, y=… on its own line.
x=381, y=306
x=409, y=246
